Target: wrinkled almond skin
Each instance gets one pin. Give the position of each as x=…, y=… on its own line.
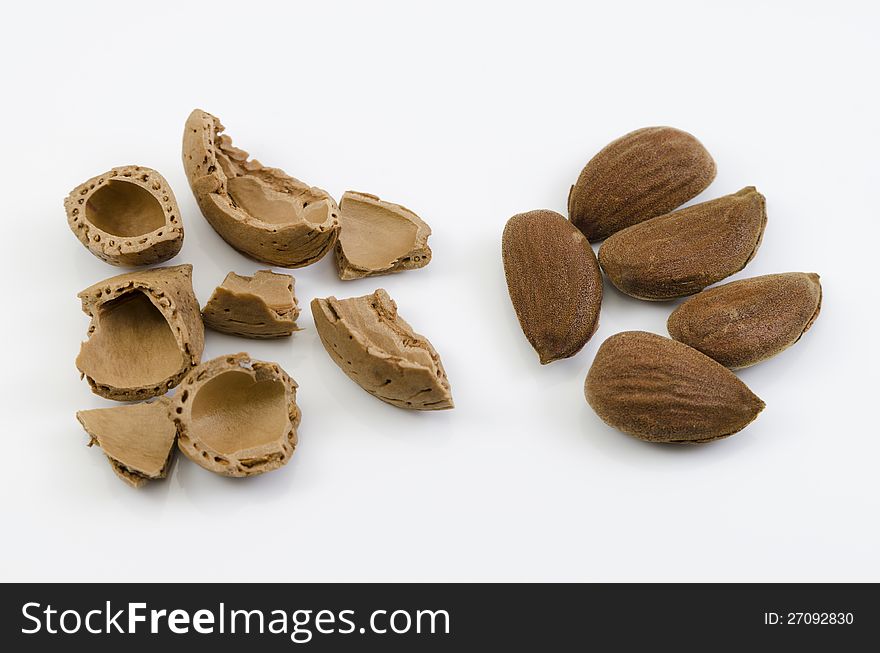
x=680, y=253
x=744, y=322
x=554, y=282
x=639, y=176
x=660, y=390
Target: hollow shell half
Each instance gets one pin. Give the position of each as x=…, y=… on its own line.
x=146, y=333
x=127, y=216
x=262, y=212
x=236, y=416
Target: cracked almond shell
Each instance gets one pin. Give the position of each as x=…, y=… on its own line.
x=261, y=306
x=380, y=352
x=378, y=237
x=641, y=175
x=146, y=333
x=127, y=216
x=660, y=390
x=554, y=282
x=262, y=212
x=138, y=439
x=681, y=253
x=236, y=416
x=744, y=322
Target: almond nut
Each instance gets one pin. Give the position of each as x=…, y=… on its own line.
x=641, y=175
x=554, y=282
x=660, y=390
x=744, y=322
x=681, y=253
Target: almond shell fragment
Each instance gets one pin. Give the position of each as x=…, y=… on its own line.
x=145, y=334
x=138, y=439
x=236, y=416
x=380, y=352
x=260, y=306
x=262, y=212
x=378, y=237
x=127, y=216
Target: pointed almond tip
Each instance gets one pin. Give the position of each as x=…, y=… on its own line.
x=552, y=357
x=748, y=191
x=760, y=405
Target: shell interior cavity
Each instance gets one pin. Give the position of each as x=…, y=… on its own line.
x=262, y=212
x=127, y=216
x=236, y=416
x=145, y=333
x=379, y=237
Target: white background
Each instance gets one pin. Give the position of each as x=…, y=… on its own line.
x=467, y=113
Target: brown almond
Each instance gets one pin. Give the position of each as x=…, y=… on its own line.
x=681, y=253
x=744, y=322
x=639, y=176
x=660, y=390
x=554, y=282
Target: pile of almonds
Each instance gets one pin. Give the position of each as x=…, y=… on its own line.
x=655, y=388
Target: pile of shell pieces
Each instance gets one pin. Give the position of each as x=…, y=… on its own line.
x=234, y=415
